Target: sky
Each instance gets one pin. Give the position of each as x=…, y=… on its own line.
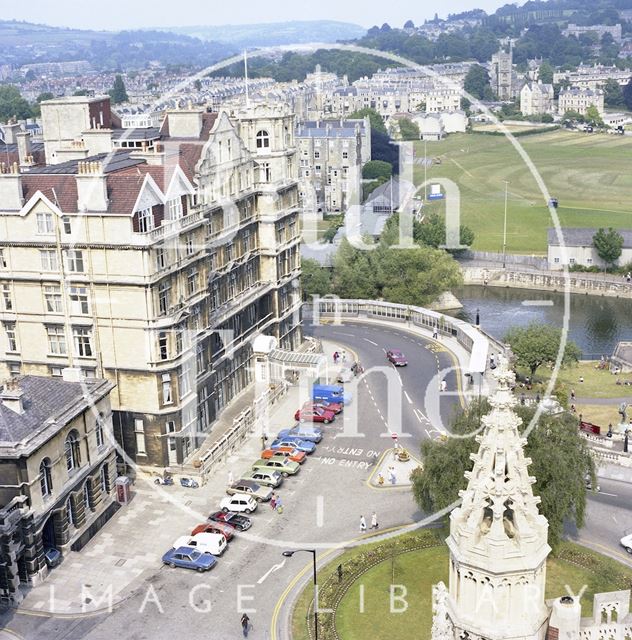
x=135, y=14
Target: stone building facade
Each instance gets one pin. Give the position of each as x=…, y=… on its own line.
x=579, y=100
x=153, y=267
x=536, y=99
x=57, y=473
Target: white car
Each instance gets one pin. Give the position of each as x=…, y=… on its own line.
x=239, y=503
x=213, y=543
x=626, y=542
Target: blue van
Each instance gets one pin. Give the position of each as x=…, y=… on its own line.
x=331, y=393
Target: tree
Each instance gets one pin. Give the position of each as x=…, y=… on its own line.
x=12, y=104
x=561, y=461
x=477, y=83
x=593, y=116
x=80, y=92
x=545, y=73
x=315, y=280
x=118, y=93
x=627, y=94
x=539, y=343
x=354, y=273
x=408, y=129
x=613, y=94
x=46, y=95
x=409, y=24
x=375, y=169
x=609, y=245
x=377, y=124
x=432, y=232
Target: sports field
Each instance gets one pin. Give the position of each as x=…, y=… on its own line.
x=590, y=174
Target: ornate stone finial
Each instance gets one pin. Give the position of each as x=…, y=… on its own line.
x=442, y=628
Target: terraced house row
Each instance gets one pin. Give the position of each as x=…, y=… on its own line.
x=150, y=257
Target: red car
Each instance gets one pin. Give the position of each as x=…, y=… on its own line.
x=289, y=452
x=396, y=357
x=336, y=407
x=215, y=527
x=315, y=414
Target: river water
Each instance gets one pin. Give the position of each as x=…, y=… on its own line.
x=596, y=324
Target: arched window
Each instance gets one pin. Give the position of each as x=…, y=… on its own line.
x=105, y=479
x=98, y=430
x=70, y=510
x=46, y=481
x=262, y=139
x=86, y=495
x=71, y=451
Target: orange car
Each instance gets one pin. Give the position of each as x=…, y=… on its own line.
x=288, y=452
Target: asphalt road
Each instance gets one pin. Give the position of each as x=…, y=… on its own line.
x=322, y=507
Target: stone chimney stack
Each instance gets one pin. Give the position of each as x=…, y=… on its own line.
x=11, y=194
x=25, y=153
x=10, y=132
x=92, y=193
x=12, y=397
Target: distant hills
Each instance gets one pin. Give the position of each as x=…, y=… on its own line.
x=275, y=33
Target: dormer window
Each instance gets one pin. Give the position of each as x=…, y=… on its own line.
x=174, y=208
x=262, y=139
x=145, y=220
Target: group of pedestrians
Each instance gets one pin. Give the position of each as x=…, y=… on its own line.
x=374, y=524
x=340, y=356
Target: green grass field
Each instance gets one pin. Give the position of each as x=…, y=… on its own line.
x=419, y=570
x=590, y=174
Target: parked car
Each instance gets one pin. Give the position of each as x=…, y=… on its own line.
x=213, y=543
x=238, y=503
x=251, y=488
x=189, y=558
x=284, y=466
x=345, y=375
x=291, y=453
x=336, y=407
x=315, y=414
x=227, y=530
x=302, y=431
x=302, y=445
x=396, y=357
x=331, y=393
x=266, y=477
x=626, y=542
x=236, y=520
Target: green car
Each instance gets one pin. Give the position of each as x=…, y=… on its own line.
x=279, y=463
x=267, y=477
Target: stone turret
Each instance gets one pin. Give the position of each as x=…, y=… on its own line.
x=498, y=539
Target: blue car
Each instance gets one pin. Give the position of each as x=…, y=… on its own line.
x=303, y=432
x=189, y=558
x=302, y=445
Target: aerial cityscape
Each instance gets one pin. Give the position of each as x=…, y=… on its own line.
x=331, y=306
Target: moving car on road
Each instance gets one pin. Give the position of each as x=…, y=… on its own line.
x=251, y=488
x=284, y=466
x=302, y=431
x=291, y=453
x=189, y=558
x=213, y=543
x=238, y=503
x=266, y=477
x=302, y=445
x=226, y=530
x=236, y=520
x=396, y=357
x=315, y=414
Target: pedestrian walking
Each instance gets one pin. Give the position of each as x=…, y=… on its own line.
x=245, y=624
x=278, y=506
x=374, y=520
x=444, y=385
x=343, y=355
x=391, y=475
x=625, y=442
x=231, y=478
x=628, y=277
x=362, y=524
x=572, y=394
x=492, y=360
x=435, y=332
x=336, y=356
x=537, y=398
x=380, y=479
x=273, y=501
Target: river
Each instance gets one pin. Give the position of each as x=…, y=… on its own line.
x=596, y=324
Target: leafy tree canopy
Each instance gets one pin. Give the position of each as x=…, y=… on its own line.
x=315, y=280
x=377, y=169
x=477, y=83
x=118, y=93
x=609, y=245
x=12, y=104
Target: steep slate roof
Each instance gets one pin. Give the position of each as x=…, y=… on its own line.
x=49, y=404
x=577, y=237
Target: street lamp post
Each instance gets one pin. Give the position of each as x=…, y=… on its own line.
x=289, y=554
x=505, y=227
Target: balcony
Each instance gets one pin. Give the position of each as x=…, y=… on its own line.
x=168, y=228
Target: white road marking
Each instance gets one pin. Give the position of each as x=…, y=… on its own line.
x=276, y=567
x=408, y=397
x=612, y=495
x=370, y=342
x=399, y=377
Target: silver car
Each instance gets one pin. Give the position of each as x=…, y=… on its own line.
x=251, y=488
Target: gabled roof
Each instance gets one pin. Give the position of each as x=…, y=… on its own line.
x=583, y=237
